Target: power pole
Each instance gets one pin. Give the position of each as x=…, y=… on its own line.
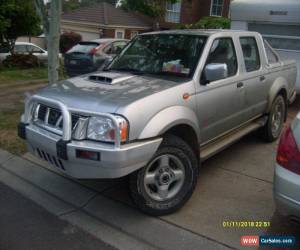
x=51, y=23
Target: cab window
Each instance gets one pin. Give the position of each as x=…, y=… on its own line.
x=33, y=49
x=250, y=53
x=223, y=51
x=20, y=48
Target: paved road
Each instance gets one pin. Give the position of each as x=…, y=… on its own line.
x=25, y=225
x=85, y=206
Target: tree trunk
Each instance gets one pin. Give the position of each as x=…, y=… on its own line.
x=53, y=40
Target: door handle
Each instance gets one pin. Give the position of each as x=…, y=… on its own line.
x=262, y=78
x=240, y=85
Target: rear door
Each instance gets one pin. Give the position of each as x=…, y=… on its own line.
x=254, y=75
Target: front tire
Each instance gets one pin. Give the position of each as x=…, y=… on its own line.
x=168, y=180
x=272, y=130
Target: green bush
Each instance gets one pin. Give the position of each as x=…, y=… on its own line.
x=208, y=22
x=21, y=61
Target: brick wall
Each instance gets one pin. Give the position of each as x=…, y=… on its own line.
x=193, y=10
x=108, y=33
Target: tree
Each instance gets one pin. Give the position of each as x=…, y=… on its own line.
x=75, y=4
x=70, y=5
x=68, y=40
x=17, y=18
x=152, y=8
x=50, y=15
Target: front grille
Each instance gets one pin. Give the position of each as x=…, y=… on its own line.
x=50, y=158
x=52, y=117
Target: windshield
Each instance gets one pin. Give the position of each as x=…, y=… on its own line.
x=163, y=54
x=83, y=47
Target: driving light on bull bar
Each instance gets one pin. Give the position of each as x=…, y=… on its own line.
x=103, y=129
x=88, y=155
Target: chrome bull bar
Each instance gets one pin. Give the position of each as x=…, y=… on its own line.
x=66, y=113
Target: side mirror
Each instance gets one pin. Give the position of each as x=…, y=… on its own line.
x=213, y=72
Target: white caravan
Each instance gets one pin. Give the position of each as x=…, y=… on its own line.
x=277, y=20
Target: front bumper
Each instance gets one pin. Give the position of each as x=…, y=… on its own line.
x=113, y=162
x=287, y=192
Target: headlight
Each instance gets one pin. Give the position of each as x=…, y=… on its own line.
x=103, y=129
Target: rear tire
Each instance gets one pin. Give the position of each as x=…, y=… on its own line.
x=168, y=180
x=272, y=129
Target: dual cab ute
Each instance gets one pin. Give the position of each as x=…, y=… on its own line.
x=166, y=103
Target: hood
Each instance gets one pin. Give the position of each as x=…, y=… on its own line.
x=106, y=91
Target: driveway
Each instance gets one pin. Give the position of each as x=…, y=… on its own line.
x=235, y=185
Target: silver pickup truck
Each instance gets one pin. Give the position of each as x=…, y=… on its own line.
x=166, y=103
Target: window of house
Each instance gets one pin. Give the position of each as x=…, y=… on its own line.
x=223, y=51
x=216, y=7
x=250, y=53
x=173, y=12
x=120, y=34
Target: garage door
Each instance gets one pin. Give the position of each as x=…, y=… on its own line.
x=86, y=36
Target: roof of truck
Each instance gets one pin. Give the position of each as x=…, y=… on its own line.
x=203, y=32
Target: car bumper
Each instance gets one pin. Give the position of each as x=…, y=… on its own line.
x=112, y=163
x=287, y=192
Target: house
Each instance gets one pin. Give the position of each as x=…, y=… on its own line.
x=191, y=11
x=104, y=20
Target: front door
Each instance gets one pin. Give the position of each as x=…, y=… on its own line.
x=220, y=103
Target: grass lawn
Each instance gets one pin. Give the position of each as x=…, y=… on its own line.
x=13, y=75
x=9, y=139
x=13, y=84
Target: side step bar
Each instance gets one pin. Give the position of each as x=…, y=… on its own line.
x=225, y=141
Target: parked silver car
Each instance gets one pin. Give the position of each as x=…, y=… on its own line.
x=287, y=172
x=26, y=48
x=166, y=103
